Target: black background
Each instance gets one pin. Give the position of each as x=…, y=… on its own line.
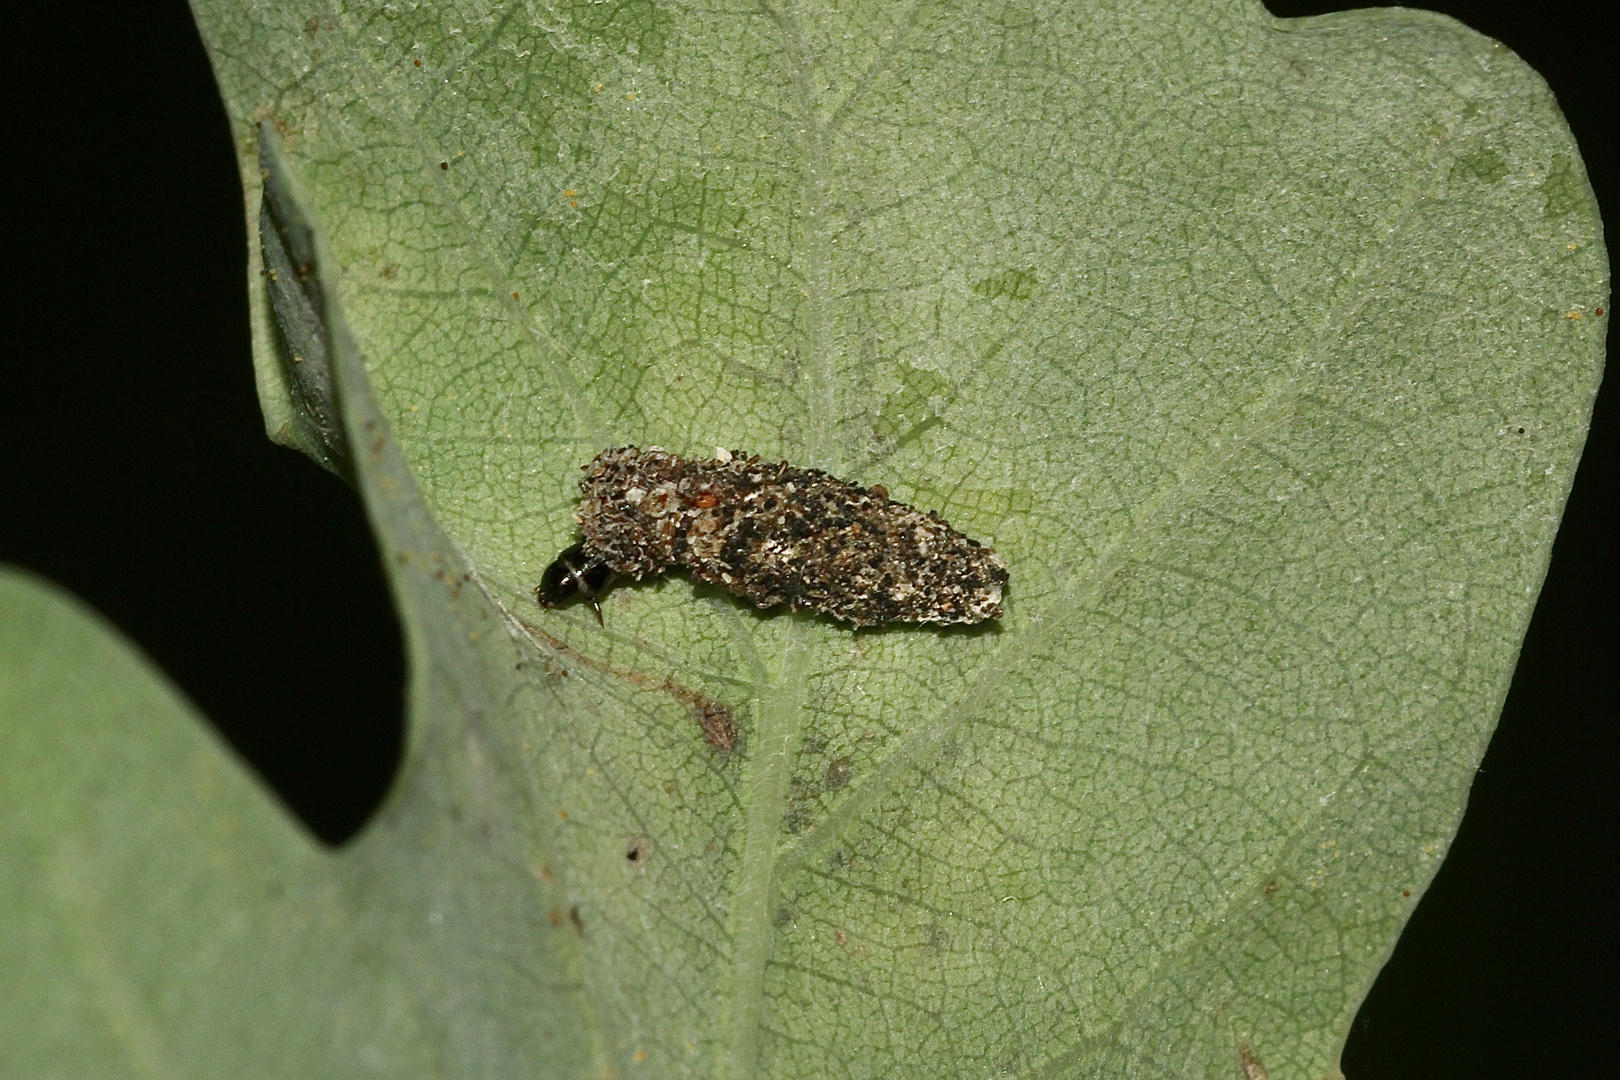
x=136, y=475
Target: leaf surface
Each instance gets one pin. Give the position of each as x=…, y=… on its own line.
x=1261, y=350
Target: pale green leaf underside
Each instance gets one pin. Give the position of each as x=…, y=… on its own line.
x=1261, y=350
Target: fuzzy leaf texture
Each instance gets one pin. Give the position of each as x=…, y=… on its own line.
x=1262, y=350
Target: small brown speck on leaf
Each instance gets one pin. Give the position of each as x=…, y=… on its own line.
x=718, y=728
x=637, y=851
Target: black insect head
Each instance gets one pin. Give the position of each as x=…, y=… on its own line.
x=573, y=574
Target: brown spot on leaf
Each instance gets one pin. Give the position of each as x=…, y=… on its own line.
x=719, y=731
x=714, y=719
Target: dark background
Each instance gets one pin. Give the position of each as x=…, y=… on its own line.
x=137, y=475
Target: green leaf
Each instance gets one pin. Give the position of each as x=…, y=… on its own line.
x=1261, y=350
